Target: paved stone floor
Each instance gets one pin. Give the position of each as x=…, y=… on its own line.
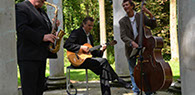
x=94, y=89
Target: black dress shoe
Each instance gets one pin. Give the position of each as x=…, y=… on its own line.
x=128, y=86
x=125, y=84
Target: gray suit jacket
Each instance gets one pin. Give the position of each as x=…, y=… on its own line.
x=126, y=30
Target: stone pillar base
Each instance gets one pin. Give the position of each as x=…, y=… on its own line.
x=56, y=82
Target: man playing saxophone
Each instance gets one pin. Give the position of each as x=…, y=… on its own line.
x=33, y=38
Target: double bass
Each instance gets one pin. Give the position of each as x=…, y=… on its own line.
x=151, y=73
x=155, y=74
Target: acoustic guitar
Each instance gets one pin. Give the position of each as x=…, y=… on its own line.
x=76, y=59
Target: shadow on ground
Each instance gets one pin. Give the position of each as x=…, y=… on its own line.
x=94, y=89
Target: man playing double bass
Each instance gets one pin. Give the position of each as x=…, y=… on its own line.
x=129, y=27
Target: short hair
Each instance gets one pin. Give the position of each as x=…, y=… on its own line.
x=130, y=2
x=86, y=19
x=126, y=1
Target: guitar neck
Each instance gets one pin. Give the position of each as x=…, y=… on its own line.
x=95, y=48
x=99, y=46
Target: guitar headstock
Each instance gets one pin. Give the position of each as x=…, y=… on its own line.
x=113, y=42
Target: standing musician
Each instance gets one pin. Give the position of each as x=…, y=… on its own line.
x=129, y=27
x=33, y=38
x=99, y=66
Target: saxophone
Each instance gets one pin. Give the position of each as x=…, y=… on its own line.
x=55, y=47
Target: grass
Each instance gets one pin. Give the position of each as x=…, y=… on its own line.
x=174, y=64
x=79, y=75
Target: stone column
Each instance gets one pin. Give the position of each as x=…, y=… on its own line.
x=173, y=29
x=57, y=77
x=102, y=24
x=121, y=64
x=186, y=17
x=8, y=59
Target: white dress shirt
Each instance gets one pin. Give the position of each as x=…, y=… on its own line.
x=134, y=24
x=87, y=34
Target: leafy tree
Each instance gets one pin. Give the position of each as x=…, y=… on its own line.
x=74, y=11
x=160, y=9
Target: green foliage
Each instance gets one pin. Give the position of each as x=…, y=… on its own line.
x=110, y=54
x=17, y=1
x=160, y=9
x=75, y=10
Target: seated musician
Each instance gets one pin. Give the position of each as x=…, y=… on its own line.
x=98, y=65
x=129, y=26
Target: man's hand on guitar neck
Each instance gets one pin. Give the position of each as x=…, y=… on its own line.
x=103, y=47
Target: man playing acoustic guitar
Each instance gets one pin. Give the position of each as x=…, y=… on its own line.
x=100, y=66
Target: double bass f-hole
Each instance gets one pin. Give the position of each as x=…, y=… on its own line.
x=151, y=60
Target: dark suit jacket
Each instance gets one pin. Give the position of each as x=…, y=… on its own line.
x=77, y=38
x=31, y=28
x=126, y=30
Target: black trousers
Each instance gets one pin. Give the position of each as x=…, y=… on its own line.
x=32, y=74
x=100, y=66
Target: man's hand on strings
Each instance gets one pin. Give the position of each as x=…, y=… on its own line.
x=85, y=49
